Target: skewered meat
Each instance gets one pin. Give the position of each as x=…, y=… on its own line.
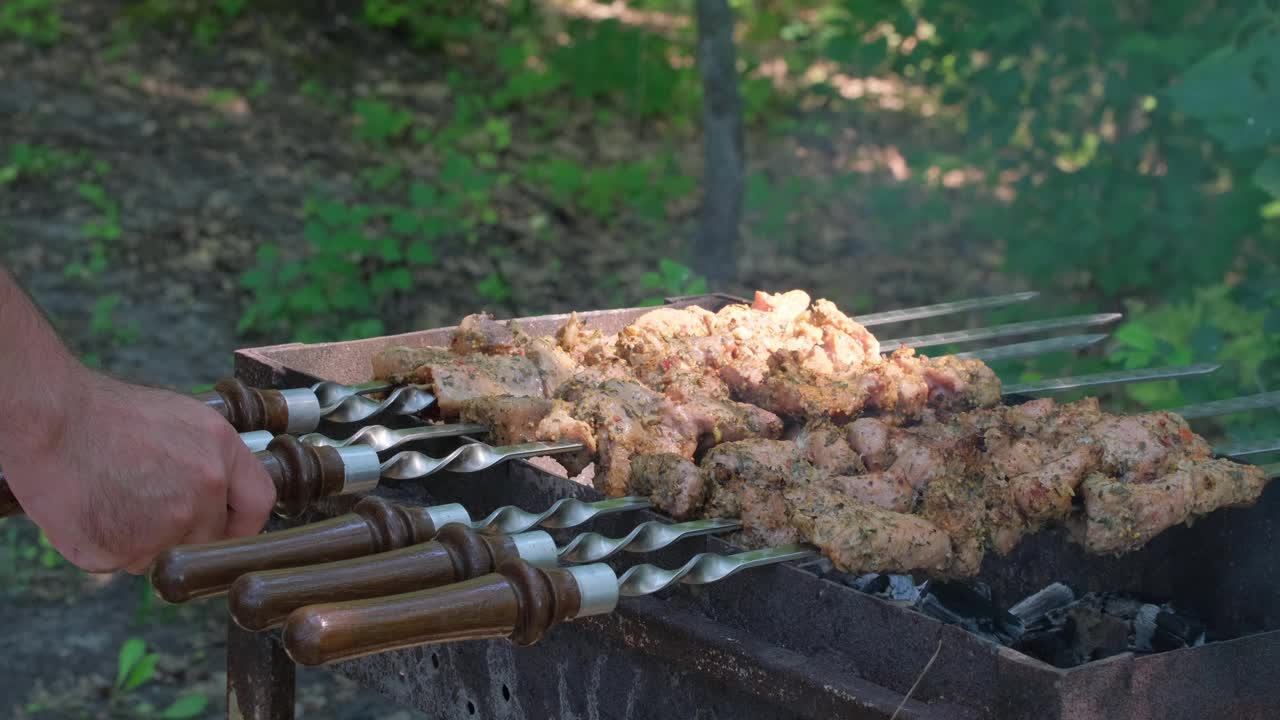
x=857, y=535
x=747, y=480
x=673, y=482
x=458, y=379
x=895, y=463
x=1122, y=516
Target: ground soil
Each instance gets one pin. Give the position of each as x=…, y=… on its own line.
x=201, y=180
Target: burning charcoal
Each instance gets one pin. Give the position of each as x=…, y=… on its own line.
x=1033, y=608
x=1144, y=627
x=1095, y=634
x=969, y=606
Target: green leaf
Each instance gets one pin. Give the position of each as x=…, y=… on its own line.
x=1267, y=176
x=388, y=249
x=422, y=195
x=186, y=707
x=143, y=671
x=651, y=280
x=131, y=652
x=1136, y=335
x=420, y=253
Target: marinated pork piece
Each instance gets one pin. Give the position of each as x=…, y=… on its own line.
x=513, y=420
x=481, y=333
x=827, y=448
x=628, y=419
x=1138, y=447
x=397, y=363
x=861, y=537
x=674, y=484
x=1123, y=516
x=747, y=480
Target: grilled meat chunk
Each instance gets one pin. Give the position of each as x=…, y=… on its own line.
x=827, y=448
x=513, y=420
x=747, y=480
x=1122, y=516
x=481, y=333
x=673, y=482
x=862, y=537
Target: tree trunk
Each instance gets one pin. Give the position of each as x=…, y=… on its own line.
x=715, y=246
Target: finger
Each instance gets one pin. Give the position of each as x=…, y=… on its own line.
x=250, y=495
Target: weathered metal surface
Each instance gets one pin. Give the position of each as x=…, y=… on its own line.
x=781, y=642
x=260, y=677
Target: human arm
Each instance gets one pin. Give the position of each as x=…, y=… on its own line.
x=114, y=473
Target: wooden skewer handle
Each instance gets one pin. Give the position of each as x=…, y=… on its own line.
x=519, y=601
x=248, y=408
x=260, y=600
x=189, y=572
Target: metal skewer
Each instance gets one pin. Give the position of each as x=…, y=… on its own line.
x=999, y=331
x=1233, y=405
x=519, y=601
x=472, y=457
x=263, y=599
x=947, y=308
x=1018, y=351
x=1121, y=377
x=187, y=572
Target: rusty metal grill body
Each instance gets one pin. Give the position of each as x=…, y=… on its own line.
x=781, y=642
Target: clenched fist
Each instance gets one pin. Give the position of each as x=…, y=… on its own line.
x=115, y=473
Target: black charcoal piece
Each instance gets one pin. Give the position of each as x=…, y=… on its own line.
x=969, y=606
x=1033, y=608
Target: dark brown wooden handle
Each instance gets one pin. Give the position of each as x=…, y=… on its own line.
x=519, y=602
x=189, y=572
x=260, y=600
x=248, y=408
x=8, y=501
x=302, y=473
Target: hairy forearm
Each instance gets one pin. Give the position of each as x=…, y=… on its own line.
x=38, y=376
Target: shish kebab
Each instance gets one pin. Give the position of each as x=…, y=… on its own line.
x=188, y=572
x=260, y=599
x=519, y=601
x=299, y=410
x=258, y=440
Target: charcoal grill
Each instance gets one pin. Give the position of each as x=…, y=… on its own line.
x=782, y=642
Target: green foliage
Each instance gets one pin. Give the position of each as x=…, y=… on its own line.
x=36, y=162
x=22, y=558
x=671, y=279
x=427, y=23
x=380, y=123
x=206, y=20
x=357, y=256
x=134, y=668
x=613, y=62
x=645, y=186
x=36, y=21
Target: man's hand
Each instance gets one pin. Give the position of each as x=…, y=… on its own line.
x=130, y=471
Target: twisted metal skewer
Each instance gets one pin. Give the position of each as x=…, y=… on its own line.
x=563, y=513
x=645, y=537
x=705, y=568
x=382, y=438
x=472, y=457
x=403, y=400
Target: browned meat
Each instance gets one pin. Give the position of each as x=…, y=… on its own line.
x=397, y=363
x=718, y=420
x=674, y=483
x=862, y=537
x=514, y=420
x=627, y=419
x=746, y=480
x=1122, y=516
x=481, y=333
x=827, y=448
x=1138, y=447
x=956, y=503
x=510, y=419
x=1045, y=493
x=878, y=488
x=958, y=384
